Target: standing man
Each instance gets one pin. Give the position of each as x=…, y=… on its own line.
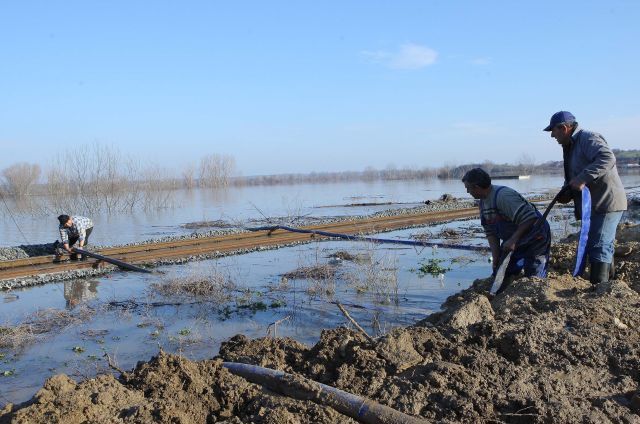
x=588, y=161
x=508, y=220
x=74, y=229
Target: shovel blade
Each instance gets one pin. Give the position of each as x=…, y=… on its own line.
x=502, y=270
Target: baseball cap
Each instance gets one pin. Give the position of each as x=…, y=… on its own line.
x=559, y=118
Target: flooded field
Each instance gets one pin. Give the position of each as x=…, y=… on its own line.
x=241, y=204
x=131, y=316
x=85, y=327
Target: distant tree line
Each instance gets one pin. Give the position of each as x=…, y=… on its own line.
x=100, y=178
x=97, y=178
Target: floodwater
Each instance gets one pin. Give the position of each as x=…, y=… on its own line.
x=121, y=315
x=130, y=322
x=239, y=204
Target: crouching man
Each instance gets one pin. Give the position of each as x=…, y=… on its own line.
x=74, y=229
x=508, y=220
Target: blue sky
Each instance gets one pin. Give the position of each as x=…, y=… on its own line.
x=288, y=86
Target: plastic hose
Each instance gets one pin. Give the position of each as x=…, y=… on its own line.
x=370, y=239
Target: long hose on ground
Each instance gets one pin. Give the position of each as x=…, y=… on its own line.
x=370, y=239
x=359, y=408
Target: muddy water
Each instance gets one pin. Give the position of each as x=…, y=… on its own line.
x=130, y=322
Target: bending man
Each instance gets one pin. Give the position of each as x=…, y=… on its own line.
x=508, y=220
x=589, y=161
x=74, y=229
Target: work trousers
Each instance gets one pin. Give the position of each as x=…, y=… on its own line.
x=73, y=240
x=602, y=234
x=532, y=258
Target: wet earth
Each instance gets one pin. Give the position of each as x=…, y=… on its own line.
x=544, y=351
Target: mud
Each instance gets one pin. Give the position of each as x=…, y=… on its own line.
x=543, y=351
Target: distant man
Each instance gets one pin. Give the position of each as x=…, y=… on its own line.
x=74, y=229
x=508, y=220
x=589, y=161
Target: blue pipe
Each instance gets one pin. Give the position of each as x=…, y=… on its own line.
x=371, y=239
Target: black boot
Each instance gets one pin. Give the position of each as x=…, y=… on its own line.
x=612, y=269
x=599, y=272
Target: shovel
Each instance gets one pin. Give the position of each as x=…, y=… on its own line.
x=540, y=220
x=502, y=269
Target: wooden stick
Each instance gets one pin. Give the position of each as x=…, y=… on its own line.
x=275, y=326
x=353, y=321
x=111, y=364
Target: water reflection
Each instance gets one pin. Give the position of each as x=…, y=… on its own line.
x=246, y=203
x=76, y=292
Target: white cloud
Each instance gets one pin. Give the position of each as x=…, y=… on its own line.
x=408, y=56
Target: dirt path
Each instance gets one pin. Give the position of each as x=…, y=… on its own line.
x=544, y=351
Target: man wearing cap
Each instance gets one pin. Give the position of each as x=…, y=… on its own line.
x=588, y=161
x=511, y=223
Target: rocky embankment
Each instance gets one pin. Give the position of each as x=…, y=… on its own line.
x=543, y=351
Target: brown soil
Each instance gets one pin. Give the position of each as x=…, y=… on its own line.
x=543, y=351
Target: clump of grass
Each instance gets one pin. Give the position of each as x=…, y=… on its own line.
x=15, y=337
x=40, y=323
x=321, y=278
x=314, y=272
x=345, y=256
x=214, y=287
x=424, y=235
x=433, y=267
x=377, y=276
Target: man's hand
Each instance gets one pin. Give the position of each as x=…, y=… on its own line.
x=565, y=197
x=576, y=184
x=510, y=244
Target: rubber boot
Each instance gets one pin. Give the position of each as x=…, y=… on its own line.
x=612, y=269
x=599, y=272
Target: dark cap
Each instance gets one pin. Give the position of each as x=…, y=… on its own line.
x=559, y=118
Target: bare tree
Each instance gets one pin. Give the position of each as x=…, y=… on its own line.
x=370, y=174
x=189, y=176
x=526, y=163
x=488, y=166
x=216, y=170
x=19, y=179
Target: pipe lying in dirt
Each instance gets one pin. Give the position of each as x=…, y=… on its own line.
x=359, y=408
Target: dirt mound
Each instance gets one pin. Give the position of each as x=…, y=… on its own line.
x=167, y=389
x=543, y=351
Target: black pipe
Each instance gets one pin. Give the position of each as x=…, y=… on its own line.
x=111, y=261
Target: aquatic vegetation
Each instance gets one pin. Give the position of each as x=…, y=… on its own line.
x=213, y=286
x=378, y=276
x=433, y=267
x=42, y=322
x=318, y=272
